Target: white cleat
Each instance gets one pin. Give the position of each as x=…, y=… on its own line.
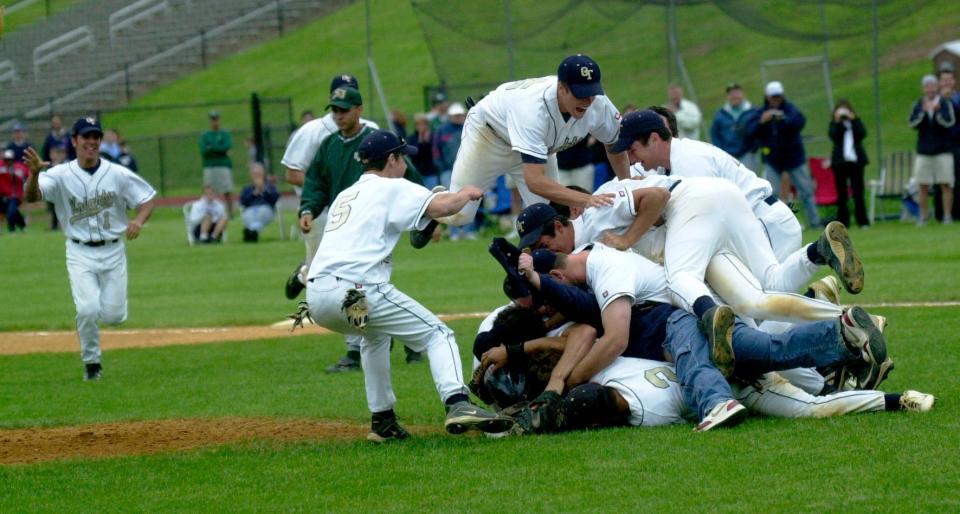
x=827, y=289
x=725, y=414
x=915, y=401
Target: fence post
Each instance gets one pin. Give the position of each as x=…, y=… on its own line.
x=126, y=80
x=203, y=49
x=163, y=186
x=257, y=125
x=279, y=18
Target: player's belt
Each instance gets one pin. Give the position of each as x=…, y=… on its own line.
x=94, y=243
x=674, y=185
x=770, y=200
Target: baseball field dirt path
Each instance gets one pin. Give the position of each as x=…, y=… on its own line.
x=33, y=445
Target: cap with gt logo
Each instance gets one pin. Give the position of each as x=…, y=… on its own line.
x=345, y=98
x=582, y=75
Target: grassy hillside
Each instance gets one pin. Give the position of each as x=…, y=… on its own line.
x=716, y=50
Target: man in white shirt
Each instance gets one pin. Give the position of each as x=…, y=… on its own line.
x=687, y=113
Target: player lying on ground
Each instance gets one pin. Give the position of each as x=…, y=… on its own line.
x=519, y=127
x=349, y=288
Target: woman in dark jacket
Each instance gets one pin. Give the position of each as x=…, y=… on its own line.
x=848, y=161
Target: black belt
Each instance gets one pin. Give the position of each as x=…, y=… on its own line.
x=94, y=243
x=674, y=186
x=770, y=200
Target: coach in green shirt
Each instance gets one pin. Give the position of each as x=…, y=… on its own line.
x=335, y=168
x=217, y=167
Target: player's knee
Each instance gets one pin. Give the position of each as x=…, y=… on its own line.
x=88, y=310
x=113, y=315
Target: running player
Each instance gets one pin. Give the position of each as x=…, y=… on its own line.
x=349, y=288
x=517, y=130
x=91, y=197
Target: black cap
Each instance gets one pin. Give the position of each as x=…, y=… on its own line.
x=531, y=221
x=635, y=125
x=581, y=74
x=438, y=98
x=213, y=115
x=543, y=260
x=344, y=80
x=591, y=405
x=380, y=144
x=733, y=85
x=87, y=125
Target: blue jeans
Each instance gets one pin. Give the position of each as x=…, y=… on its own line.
x=702, y=384
x=806, y=345
x=803, y=182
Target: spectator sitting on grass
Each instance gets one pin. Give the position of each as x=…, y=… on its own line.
x=208, y=217
x=259, y=201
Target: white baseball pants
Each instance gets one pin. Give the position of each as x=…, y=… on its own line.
x=782, y=228
x=484, y=156
x=773, y=395
x=98, y=283
x=391, y=314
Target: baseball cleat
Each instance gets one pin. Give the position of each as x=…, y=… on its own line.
x=725, y=414
x=384, y=430
x=870, y=376
x=859, y=331
x=827, y=289
x=93, y=371
x=915, y=401
x=717, y=325
x=346, y=363
x=294, y=286
x=421, y=238
x=463, y=416
x=836, y=247
x=880, y=322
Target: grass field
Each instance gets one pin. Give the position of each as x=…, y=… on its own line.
x=874, y=462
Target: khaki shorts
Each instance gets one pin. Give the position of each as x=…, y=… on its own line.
x=934, y=169
x=220, y=178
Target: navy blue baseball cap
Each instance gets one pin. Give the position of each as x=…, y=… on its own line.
x=634, y=125
x=87, y=125
x=581, y=74
x=344, y=80
x=380, y=144
x=543, y=260
x=531, y=221
x=591, y=405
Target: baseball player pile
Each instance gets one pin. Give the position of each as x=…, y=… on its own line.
x=679, y=292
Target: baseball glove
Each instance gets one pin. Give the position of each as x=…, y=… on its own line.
x=541, y=415
x=355, y=307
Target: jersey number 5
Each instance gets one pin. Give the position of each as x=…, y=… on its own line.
x=340, y=212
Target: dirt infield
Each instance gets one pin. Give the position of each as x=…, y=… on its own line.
x=33, y=445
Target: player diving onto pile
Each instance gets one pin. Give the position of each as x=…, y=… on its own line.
x=517, y=130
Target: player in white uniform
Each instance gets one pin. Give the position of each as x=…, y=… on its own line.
x=301, y=149
x=519, y=127
x=349, y=287
x=642, y=392
x=91, y=197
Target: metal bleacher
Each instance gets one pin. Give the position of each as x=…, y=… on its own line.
x=102, y=53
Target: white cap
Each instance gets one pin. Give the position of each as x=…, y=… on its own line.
x=774, y=89
x=929, y=79
x=456, y=109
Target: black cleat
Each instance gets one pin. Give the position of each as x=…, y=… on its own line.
x=93, y=371
x=294, y=286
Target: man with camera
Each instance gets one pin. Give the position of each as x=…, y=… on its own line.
x=776, y=126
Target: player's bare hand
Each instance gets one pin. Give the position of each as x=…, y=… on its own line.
x=614, y=241
x=494, y=357
x=133, y=229
x=472, y=192
x=600, y=200
x=33, y=161
x=306, y=222
x=525, y=264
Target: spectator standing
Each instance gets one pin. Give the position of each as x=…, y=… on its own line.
x=58, y=136
x=727, y=132
x=687, y=113
x=259, y=201
x=422, y=138
x=933, y=117
x=306, y=117
x=217, y=166
x=776, y=128
x=19, y=142
x=438, y=110
x=126, y=158
x=446, y=144
x=848, y=160
x=13, y=176
x=399, y=122
x=110, y=147
x=208, y=217
x=948, y=90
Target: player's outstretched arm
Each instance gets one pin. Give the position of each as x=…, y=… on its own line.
x=650, y=203
x=36, y=165
x=525, y=266
x=620, y=162
x=445, y=204
x=535, y=175
x=144, y=211
x=616, y=330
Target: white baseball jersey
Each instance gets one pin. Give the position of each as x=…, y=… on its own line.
x=691, y=158
x=304, y=143
x=526, y=114
x=612, y=274
x=364, y=224
x=93, y=207
x=650, y=388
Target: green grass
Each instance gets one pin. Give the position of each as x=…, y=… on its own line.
x=33, y=13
